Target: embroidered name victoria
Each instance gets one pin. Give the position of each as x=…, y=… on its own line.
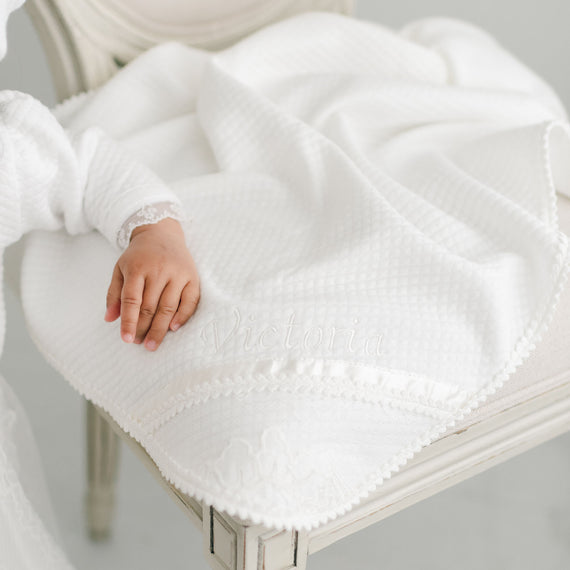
x=289, y=336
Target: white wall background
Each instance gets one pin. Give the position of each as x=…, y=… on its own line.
x=514, y=516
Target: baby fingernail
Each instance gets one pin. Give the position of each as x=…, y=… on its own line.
x=128, y=337
x=175, y=326
x=151, y=345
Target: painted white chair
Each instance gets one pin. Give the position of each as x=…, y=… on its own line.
x=86, y=42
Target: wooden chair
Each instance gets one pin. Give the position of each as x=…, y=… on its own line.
x=86, y=42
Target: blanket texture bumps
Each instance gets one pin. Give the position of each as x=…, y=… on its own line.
x=373, y=216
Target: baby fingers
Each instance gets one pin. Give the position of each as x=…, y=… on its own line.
x=131, y=299
x=188, y=303
x=167, y=307
x=113, y=301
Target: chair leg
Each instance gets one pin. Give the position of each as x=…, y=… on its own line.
x=102, y=464
x=233, y=544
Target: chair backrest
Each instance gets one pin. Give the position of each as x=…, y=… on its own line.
x=86, y=41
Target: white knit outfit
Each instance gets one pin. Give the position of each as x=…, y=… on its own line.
x=49, y=180
x=79, y=182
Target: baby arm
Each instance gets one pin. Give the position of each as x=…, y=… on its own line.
x=154, y=285
x=54, y=179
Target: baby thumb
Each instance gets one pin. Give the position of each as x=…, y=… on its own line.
x=113, y=301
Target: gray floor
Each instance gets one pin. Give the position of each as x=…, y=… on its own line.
x=514, y=516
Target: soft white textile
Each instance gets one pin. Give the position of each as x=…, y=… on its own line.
x=374, y=222
x=50, y=180
x=29, y=537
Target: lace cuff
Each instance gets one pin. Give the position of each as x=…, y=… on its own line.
x=148, y=214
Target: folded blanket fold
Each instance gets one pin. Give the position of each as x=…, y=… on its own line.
x=374, y=220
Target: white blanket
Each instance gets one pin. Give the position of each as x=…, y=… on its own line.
x=374, y=221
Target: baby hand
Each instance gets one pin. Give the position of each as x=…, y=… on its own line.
x=155, y=284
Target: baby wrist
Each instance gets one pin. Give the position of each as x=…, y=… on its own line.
x=148, y=214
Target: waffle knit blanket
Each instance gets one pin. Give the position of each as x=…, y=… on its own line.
x=373, y=217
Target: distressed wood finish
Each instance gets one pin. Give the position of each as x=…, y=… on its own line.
x=230, y=543
x=102, y=467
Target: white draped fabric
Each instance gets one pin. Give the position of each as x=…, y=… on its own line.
x=51, y=180
x=322, y=161
x=374, y=220
x=29, y=537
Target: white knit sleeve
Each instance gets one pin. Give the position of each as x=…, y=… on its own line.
x=117, y=187
x=55, y=179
